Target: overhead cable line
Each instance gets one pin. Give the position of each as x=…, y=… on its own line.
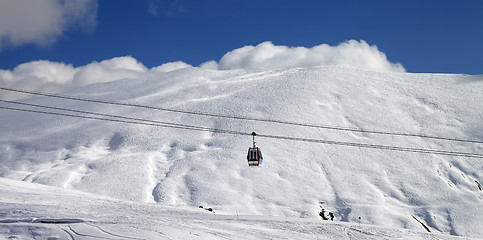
x=126, y=119
x=242, y=117
x=147, y=122
x=122, y=119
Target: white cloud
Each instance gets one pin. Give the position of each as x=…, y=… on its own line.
x=37, y=75
x=81, y=13
x=42, y=21
x=209, y=65
x=172, y=66
x=266, y=55
x=108, y=70
x=57, y=77
x=54, y=77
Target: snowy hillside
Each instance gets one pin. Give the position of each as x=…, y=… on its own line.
x=173, y=171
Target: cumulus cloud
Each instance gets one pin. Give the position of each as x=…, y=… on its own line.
x=266, y=55
x=172, y=66
x=54, y=77
x=42, y=21
x=108, y=70
x=37, y=75
x=57, y=77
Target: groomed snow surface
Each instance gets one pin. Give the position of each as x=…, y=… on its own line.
x=71, y=178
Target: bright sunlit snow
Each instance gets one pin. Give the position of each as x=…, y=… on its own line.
x=130, y=181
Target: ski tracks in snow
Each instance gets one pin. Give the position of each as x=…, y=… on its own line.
x=91, y=231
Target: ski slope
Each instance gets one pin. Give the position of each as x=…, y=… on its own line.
x=33, y=211
x=121, y=180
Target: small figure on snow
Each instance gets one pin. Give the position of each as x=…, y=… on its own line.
x=322, y=214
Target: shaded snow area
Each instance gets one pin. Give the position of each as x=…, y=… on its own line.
x=72, y=178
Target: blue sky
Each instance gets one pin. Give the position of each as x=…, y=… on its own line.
x=424, y=36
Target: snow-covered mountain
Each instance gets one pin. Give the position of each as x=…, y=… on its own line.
x=140, y=166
